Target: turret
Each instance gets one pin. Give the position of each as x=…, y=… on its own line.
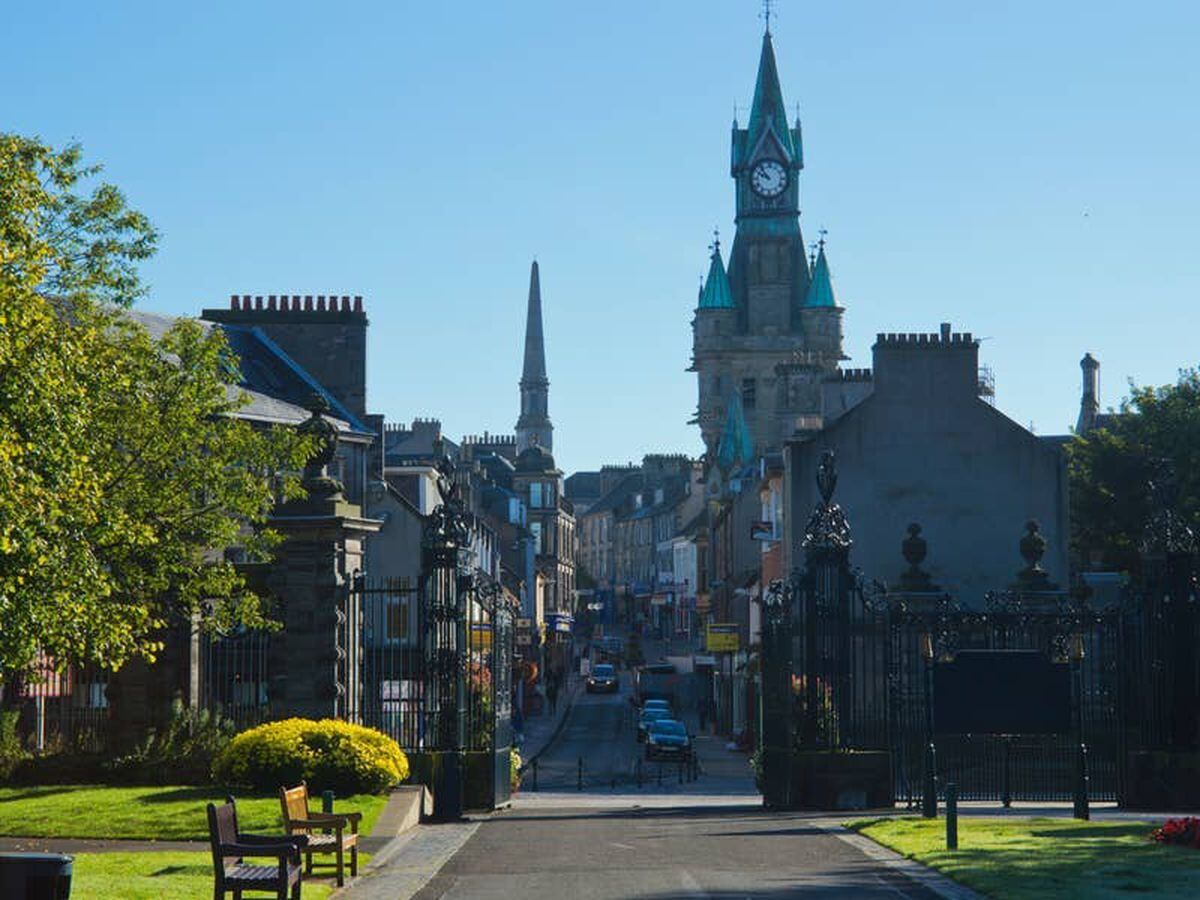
x=820, y=315
x=714, y=323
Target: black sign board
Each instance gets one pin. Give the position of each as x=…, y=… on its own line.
x=1001, y=692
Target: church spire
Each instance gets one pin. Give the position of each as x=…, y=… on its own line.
x=767, y=111
x=533, y=425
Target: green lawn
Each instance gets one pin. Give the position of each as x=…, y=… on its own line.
x=153, y=876
x=148, y=813
x=1040, y=859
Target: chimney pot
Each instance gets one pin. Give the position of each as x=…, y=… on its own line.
x=945, y=331
x=308, y=302
x=321, y=303
x=258, y=301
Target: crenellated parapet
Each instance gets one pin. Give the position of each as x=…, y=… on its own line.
x=296, y=303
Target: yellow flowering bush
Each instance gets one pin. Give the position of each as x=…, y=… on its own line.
x=329, y=754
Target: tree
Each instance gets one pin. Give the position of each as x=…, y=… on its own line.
x=1112, y=468
x=124, y=469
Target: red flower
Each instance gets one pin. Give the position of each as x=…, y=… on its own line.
x=1184, y=832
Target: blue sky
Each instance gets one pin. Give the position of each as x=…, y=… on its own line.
x=1025, y=170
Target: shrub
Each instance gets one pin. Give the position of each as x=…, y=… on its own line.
x=514, y=769
x=328, y=754
x=12, y=754
x=1185, y=832
x=182, y=752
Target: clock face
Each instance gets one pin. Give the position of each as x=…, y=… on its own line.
x=769, y=178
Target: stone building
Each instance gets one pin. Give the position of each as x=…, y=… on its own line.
x=769, y=330
x=924, y=447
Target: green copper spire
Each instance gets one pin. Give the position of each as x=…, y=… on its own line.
x=767, y=110
x=717, y=293
x=820, y=289
x=735, y=446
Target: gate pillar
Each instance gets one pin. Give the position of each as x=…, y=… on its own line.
x=775, y=706
x=315, y=658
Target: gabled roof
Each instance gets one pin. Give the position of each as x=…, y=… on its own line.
x=717, y=293
x=820, y=289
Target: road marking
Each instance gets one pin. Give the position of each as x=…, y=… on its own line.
x=622, y=846
x=691, y=885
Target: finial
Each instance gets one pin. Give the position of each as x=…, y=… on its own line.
x=821, y=242
x=766, y=15
x=812, y=254
x=735, y=110
x=715, y=246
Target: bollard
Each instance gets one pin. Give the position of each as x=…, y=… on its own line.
x=579, y=777
x=929, y=800
x=639, y=774
x=1082, y=810
x=1005, y=776
x=951, y=816
x=535, y=768
x=613, y=786
x=327, y=802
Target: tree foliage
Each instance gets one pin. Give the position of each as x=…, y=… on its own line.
x=125, y=470
x=1111, y=470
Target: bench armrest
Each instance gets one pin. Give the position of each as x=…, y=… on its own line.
x=277, y=850
x=300, y=841
x=318, y=820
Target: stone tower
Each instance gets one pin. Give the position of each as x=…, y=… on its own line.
x=533, y=425
x=768, y=329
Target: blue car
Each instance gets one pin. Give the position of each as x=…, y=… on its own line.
x=668, y=739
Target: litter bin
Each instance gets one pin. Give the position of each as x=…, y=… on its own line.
x=35, y=876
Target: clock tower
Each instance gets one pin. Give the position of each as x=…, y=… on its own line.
x=764, y=330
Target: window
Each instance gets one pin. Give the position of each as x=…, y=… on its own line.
x=536, y=529
x=749, y=393
x=535, y=495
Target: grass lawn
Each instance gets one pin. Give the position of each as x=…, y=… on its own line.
x=1024, y=859
x=147, y=813
x=153, y=876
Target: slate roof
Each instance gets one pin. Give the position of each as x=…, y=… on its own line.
x=277, y=388
x=735, y=445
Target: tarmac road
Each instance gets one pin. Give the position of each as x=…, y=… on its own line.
x=600, y=731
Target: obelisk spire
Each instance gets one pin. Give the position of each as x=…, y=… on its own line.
x=533, y=425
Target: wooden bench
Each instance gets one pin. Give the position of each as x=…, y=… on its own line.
x=231, y=848
x=300, y=821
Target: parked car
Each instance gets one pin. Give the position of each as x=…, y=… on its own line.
x=668, y=739
x=603, y=680
x=647, y=717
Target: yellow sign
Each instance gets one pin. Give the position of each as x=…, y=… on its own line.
x=722, y=637
x=481, y=636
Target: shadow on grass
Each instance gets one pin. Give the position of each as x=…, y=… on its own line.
x=37, y=793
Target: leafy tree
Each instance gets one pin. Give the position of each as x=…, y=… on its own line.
x=124, y=468
x=1112, y=468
